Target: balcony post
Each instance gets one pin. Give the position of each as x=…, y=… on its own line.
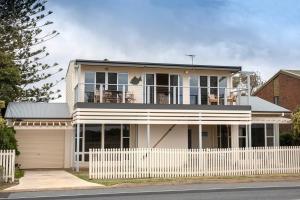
x=101, y=93
x=200, y=136
x=148, y=94
x=123, y=93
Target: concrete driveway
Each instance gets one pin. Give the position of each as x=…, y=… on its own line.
x=50, y=180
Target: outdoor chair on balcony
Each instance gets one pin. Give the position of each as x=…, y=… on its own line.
x=97, y=96
x=129, y=97
x=112, y=96
x=231, y=99
x=163, y=98
x=212, y=99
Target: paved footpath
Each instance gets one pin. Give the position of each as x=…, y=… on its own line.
x=192, y=191
x=35, y=180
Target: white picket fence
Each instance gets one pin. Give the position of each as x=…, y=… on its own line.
x=7, y=165
x=166, y=163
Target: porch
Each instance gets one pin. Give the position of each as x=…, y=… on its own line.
x=164, y=136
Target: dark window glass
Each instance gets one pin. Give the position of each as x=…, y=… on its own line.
x=204, y=96
x=270, y=141
x=203, y=81
x=242, y=142
x=223, y=136
x=100, y=77
x=214, y=85
x=258, y=135
x=122, y=81
x=125, y=142
x=162, y=88
x=89, y=77
x=89, y=86
x=270, y=129
x=112, y=136
x=112, y=81
x=276, y=100
x=194, y=90
x=126, y=130
x=222, y=88
x=189, y=138
x=242, y=130
x=89, y=93
x=213, y=81
x=92, y=136
x=223, y=81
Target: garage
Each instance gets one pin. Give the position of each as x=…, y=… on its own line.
x=41, y=148
x=44, y=133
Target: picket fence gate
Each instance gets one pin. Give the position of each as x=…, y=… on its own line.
x=7, y=165
x=167, y=163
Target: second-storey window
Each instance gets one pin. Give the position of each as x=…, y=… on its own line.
x=107, y=80
x=89, y=84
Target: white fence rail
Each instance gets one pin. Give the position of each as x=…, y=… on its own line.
x=7, y=165
x=166, y=163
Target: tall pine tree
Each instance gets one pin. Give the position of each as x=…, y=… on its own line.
x=23, y=74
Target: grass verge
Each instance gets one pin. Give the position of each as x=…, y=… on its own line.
x=19, y=173
x=188, y=180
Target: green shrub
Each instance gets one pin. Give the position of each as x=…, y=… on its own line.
x=289, y=139
x=7, y=137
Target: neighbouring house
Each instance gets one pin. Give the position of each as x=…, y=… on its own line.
x=114, y=104
x=282, y=89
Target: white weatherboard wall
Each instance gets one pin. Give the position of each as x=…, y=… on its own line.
x=177, y=138
x=207, y=142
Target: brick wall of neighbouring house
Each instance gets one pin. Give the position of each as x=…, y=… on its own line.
x=288, y=90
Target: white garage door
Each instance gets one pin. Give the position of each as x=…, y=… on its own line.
x=41, y=148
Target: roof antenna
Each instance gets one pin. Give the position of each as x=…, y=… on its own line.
x=192, y=56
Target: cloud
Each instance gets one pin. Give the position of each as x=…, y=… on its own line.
x=258, y=35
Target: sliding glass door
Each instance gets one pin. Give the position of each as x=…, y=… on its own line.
x=149, y=89
x=203, y=89
x=175, y=89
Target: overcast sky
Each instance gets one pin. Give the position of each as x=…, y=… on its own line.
x=259, y=35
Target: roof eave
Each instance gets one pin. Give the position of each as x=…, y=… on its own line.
x=155, y=65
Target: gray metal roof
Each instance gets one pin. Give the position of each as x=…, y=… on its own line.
x=294, y=72
x=159, y=65
x=260, y=105
x=30, y=110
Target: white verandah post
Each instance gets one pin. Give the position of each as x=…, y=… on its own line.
x=200, y=136
x=148, y=135
x=77, y=146
x=250, y=135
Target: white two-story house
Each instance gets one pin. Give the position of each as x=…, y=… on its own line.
x=115, y=104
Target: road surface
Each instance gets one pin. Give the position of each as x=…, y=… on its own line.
x=261, y=191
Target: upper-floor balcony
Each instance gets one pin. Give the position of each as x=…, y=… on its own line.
x=158, y=94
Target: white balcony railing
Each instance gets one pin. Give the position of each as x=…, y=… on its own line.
x=157, y=94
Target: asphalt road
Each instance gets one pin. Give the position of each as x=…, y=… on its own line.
x=237, y=191
x=284, y=194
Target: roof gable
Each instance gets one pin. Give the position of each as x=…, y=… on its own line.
x=292, y=73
